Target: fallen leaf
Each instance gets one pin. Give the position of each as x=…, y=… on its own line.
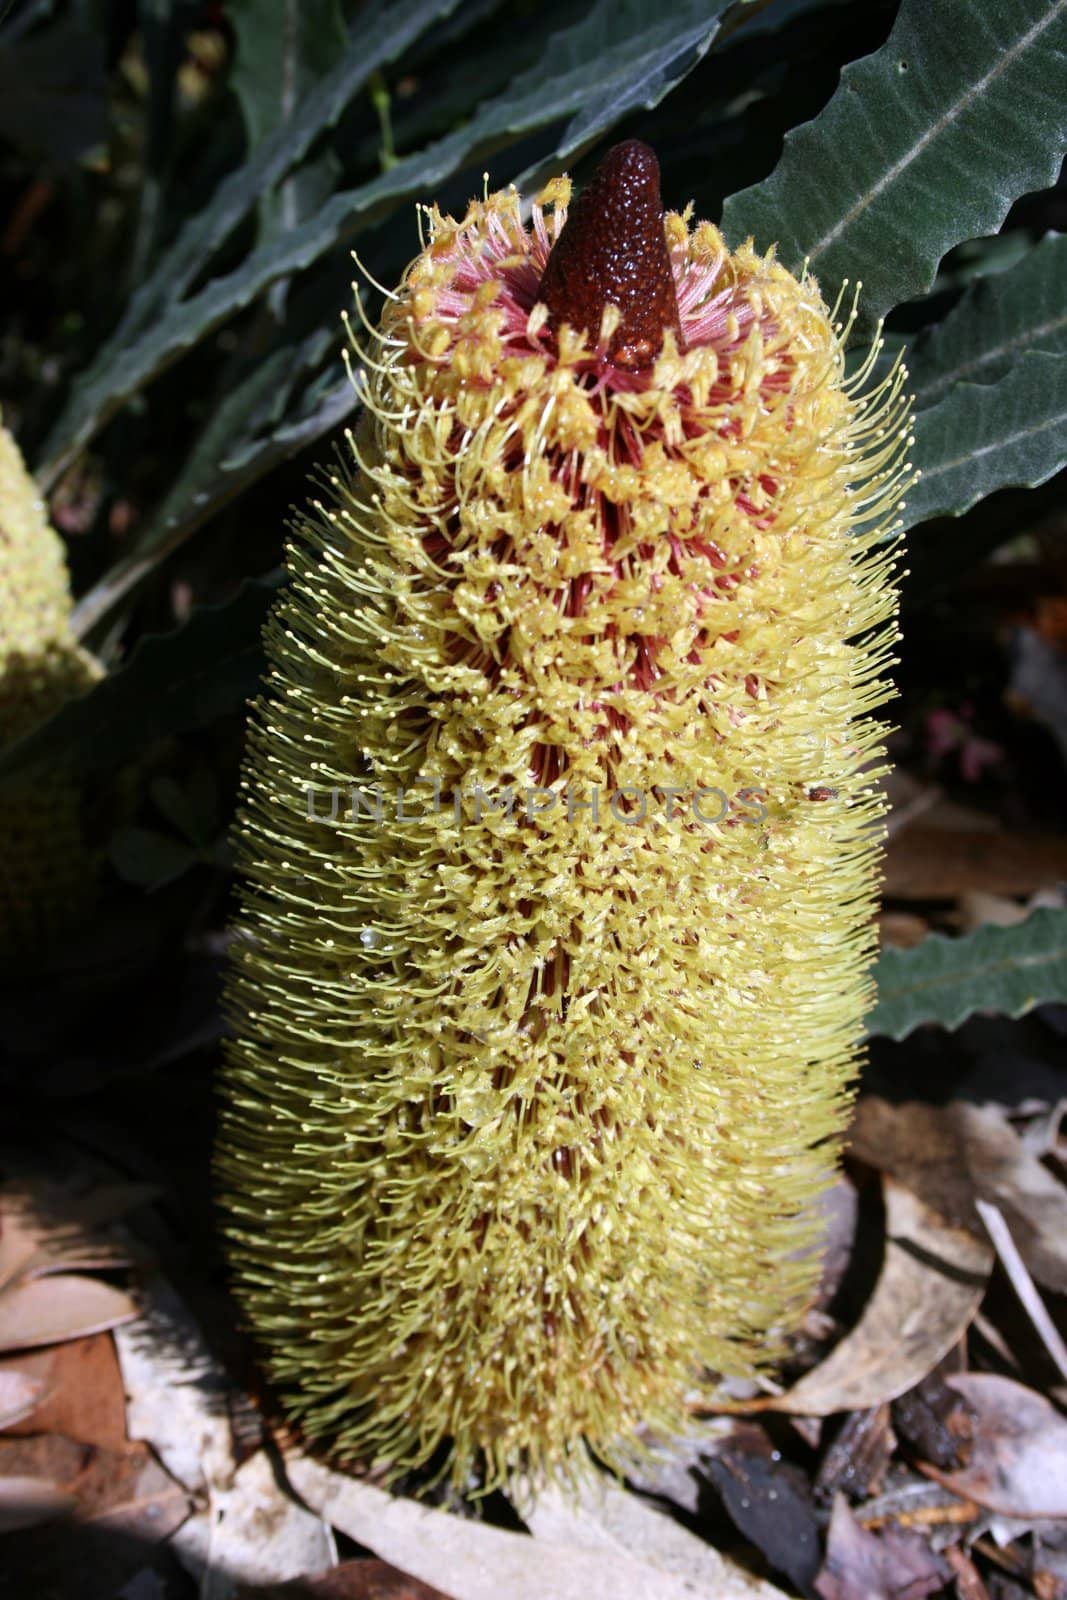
x=129, y=1491
x=955, y=1154
x=20, y=1393
x=477, y=1562
x=175, y=1391
x=26, y=1501
x=250, y=1529
x=919, y=1145
x=50, y=1227
x=891, y=1565
x=602, y=1515
x=20, y=1238
x=1018, y=1464
x=39, y=1311
x=931, y=1284
x=1033, y=1202
x=768, y=1501
x=85, y=1398
x=352, y=1580
x=123, y=1509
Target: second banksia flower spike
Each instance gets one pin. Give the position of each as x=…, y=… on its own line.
x=560, y=842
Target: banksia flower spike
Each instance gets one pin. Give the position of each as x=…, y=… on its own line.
x=46, y=873
x=560, y=842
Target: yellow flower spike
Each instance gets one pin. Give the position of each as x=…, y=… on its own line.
x=46, y=874
x=560, y=844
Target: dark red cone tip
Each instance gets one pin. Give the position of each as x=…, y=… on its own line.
x=613, y=251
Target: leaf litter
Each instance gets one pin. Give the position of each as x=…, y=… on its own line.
x=883, y=1468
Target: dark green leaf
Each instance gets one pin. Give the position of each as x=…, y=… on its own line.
x=944, y=980
x=927, y=142
x=230, y=455
x=640, y=52
x=984, y=437
x=999, y=319
x=282, y=51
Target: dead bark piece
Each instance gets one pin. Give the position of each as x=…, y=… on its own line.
x=937, y=1422
x=856, y=1462
x=969, y=1585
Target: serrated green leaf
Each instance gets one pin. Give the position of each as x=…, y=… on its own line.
x=385, y=31
x=282, y=50
x=231, y=454
x=985, y=437
x=926, y=142
x=1007, y=970
x=640, y=52
x=624, y=34
x=173, y=681
x=998, y=320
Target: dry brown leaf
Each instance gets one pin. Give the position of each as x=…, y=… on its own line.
x=892, y=1565
x=51, y=1227
x=25, y=1501
x=1033, y=1202
x=20, y=1393
x=928, y=863
x=919, y=1145
x=474, y=1561
x=953, y=1154
x=931, y=1284
x=127, y=1488
x=38, y=1311
x=131, y=1492
x=85, y=1398
x=1018, y=1464
x=20, y=1239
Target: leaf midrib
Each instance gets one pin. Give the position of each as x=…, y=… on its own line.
x=892, y=173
